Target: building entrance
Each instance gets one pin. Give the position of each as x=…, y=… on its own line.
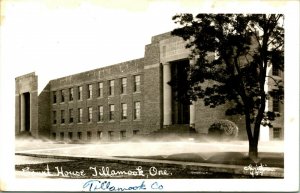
x=25, y=112
x=180, y=109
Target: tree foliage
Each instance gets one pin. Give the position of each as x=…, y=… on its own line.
x=232, y=53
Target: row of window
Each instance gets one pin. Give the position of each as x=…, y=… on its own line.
x=99, y=135
x=124, y=113
x=111, y=90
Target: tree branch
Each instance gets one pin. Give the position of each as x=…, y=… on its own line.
x=276, y=82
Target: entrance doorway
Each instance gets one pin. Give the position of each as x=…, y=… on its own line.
x=180, y=109
x=25, y=112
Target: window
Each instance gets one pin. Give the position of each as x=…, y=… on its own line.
x=62, y=115
x=276, y=102
x=100, y=115
x=79, y=135
x=123, y=85
x=70, y=135
x=80, y=93
x=137, y=83
x=62, y=94
x=137, y=108
x=62, y=135
x=123, y=135
x=124, y=111
x=90, y=114
x=54, y=136
x=99, y=134
x=71, y=116
x=79, y=115
x=110, y=135
x=136, y=132
x=275, y=71
x=100, y=89
x=90, y=91
x=54, y=96
x=276, y=133
x=71, y=92
x=54, y=117
x=111, y=87
x=89, y=136
x=111, y=112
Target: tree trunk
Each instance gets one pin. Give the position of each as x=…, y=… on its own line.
x=253, y=153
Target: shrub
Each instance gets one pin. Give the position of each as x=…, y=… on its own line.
x=223, y=129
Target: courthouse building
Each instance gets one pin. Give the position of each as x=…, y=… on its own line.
x=120, y=101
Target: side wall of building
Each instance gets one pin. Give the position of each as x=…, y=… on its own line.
x=106, y=128
x=44, y=112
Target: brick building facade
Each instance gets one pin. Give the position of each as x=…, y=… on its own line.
x=116, y=102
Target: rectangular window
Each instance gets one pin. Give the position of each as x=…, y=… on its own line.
x=80, y=93
x=124, y=111
x=54, y=96
x=54, y=136
x=100, y=115
x=70, y=135
x=79, y=135
x=62, y=135
x=71, y=92
x=99, y=135
x=90, y=114
x=90, y=91
x=54, y=117
x=62, y=94
x=79, y=115
x=111, y=112
x=123, y=135
x=123, y=85
x=110, y=135
x=276, y=102
x=111, y=91
x=100, y=89
x=89, y=136
x=275, y=71
x=137, y=84
x=276, y=133
x=62, y=115
x=71, y=116
x=136, y=132
x=137, y=110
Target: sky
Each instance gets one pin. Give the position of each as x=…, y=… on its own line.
x=56, y=38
